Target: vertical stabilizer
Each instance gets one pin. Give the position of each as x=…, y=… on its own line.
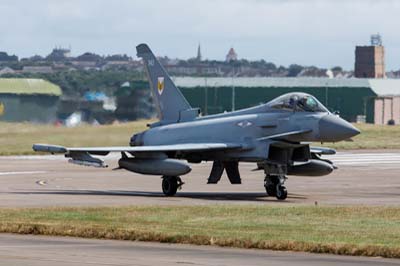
x=169, y=100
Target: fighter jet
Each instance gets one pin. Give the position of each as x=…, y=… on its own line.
x=275, y=136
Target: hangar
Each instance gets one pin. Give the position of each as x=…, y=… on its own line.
x=358, y=100
x=33, y=100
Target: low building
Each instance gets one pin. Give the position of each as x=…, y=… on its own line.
x=33, y=100
x=194, y=69
x=7, y=70
x=37, y=69
x=355, y=99
x=384, y=108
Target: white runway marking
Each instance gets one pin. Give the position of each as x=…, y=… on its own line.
x=365, y=159
x=41, y=182
x=35, y=157
x=113, y=155
x=22, y=173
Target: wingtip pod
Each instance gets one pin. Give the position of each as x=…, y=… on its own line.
x=49, y=148
x=142, y=49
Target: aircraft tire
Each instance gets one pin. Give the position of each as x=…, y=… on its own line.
x=271, y=190
x=169, y=185
x=270, y=183
x=281, y=193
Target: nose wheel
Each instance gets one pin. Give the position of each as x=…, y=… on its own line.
x=274, y=186
x=281, y=192
x=170, y=184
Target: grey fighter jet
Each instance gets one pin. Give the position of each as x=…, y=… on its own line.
x=275, y=136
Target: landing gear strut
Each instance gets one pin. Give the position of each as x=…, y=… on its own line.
x=274, y=186
x=170, y=184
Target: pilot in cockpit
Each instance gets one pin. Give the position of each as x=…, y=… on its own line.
x=298, y=102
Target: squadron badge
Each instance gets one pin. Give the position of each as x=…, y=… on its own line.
x=160, y=85
x=1, y=108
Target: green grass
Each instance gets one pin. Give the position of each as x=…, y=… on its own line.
x=368, y=231
x=17, y=138
x=371, y=137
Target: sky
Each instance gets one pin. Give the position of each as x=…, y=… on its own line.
x=307, y=32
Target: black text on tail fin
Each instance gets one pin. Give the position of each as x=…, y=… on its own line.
x=171, y=104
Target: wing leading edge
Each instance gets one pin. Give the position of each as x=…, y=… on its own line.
x=82, y=155
x=187, y=147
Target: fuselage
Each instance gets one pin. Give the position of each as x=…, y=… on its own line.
x=251, y=127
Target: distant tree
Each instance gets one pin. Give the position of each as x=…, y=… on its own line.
x=91, y=57
x=118, y=57
x=337, y=69
x=294, y=70
x=9, y=58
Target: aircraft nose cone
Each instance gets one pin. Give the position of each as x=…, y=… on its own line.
x=334, y=128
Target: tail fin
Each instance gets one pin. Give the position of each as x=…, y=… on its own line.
x=171, y=104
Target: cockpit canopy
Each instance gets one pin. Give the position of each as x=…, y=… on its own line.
x=300, y=102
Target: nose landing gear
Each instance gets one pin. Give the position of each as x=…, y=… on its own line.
x=274, y=186
x=170, y=184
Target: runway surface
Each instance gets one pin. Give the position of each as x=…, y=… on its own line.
x=23, y=250
x=363, y=177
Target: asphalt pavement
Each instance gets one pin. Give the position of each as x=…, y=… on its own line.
x=22, y=250
x=363, y=178
x=367, y=177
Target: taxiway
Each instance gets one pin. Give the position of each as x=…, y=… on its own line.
x=47, y=251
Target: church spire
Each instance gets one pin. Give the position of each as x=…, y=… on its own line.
x=198, y=57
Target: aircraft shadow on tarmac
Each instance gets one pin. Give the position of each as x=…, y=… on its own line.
x=215, y=196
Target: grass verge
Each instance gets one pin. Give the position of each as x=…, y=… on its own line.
x=360, y=231
x=371, y=137
x=17, y=138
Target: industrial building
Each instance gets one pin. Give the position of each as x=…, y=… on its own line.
x=370, y=100
x=370, y=60
x=33, y=100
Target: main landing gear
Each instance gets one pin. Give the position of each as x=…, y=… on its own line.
x=170, y=184
x=274, y=186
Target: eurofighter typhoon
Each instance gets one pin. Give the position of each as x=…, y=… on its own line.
x=275, y=136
